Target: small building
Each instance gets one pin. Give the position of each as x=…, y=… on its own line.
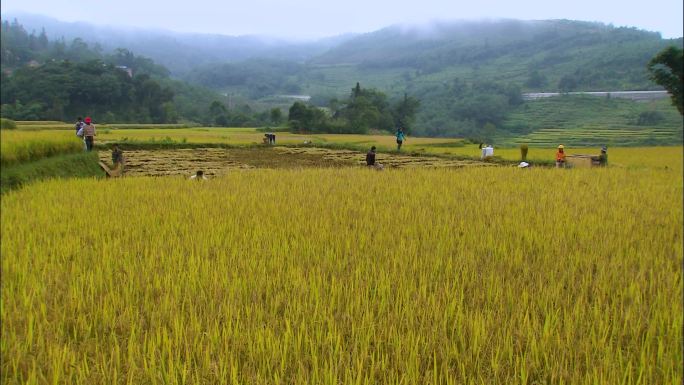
x=127, y=70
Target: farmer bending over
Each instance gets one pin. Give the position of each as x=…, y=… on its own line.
x=199, y=176
x=602, y=159
x=117, y=157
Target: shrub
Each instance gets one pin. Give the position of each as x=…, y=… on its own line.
x=7, y=124
x=648, y=118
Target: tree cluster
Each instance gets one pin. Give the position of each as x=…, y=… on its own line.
x=666, y=70
x=219, y=115
x=56, y=80
x=473, y=110
x=256, y=78
x=20, y=48
x=365, y=109
x=64, y=90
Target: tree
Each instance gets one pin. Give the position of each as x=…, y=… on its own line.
x=303, y=117
x=217, y=113
x=666, y=70
x=536, y=80
x=366, y=108
x=217, y=108
x=43, y=40
x=276, y=116
x=356, y=91
x=297, y=111
x=405, y=111
x=567, y=83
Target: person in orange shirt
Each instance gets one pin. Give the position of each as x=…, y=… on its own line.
x=560, y=156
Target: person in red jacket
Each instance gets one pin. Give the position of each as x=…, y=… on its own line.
x=89, y=133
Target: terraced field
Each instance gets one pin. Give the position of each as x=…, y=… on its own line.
x=221, y=135
x=596, y=136
x=583, y=120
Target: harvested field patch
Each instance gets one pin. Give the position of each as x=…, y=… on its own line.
x=217, y=161
x=386, y=159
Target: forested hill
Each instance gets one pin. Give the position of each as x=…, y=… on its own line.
x=536, y=54
x=545, y=55
x=179, y=52
x=449, y=43
x=44, y=79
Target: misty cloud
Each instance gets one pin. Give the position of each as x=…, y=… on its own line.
x=314, y=19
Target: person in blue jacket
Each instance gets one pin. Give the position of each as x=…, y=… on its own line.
x=400, y=138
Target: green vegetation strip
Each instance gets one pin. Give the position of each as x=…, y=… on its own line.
x=61, y=166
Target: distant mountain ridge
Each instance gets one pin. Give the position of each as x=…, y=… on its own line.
x=398, y=45
x=424, y=47
x=180, y=52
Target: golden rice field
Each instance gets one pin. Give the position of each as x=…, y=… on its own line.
x=242, y=136
x=15, y=143
x=631, y=157
x=492, y=275
x=223, y=135
x=18, y=146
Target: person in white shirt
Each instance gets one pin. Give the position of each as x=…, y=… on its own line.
x=487, y=152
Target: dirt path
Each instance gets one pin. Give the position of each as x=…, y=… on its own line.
x=218, y=161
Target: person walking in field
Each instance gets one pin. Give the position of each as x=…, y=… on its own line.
x=400, y=138
x=79, y=124
x=79, y=132
x=560, y=156
x=89, y=133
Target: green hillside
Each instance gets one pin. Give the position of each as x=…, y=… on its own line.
x=538, y=55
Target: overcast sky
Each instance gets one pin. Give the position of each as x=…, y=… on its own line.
x=319, y=18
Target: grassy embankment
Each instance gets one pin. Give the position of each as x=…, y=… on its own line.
x=58, y=166
x=27, y=156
